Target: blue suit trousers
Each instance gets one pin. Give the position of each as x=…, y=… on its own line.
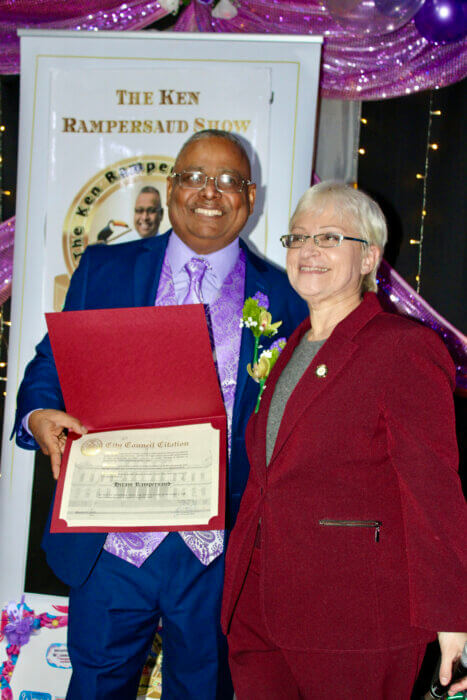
x=114, y=616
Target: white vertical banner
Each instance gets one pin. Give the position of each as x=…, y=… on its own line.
x=102, y=115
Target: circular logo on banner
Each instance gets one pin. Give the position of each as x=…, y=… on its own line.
x=122, y=202
x=91, y=447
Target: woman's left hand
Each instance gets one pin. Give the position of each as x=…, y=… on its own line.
x=451, y=645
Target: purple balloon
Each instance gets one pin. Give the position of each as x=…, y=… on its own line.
x=372, y=17
x=442, y=21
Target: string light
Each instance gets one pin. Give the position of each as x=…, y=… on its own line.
x=2, y=127
x=361, y=151
x=6, y=193
x=434, y=147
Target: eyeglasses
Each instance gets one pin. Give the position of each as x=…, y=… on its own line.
x=148, y=210
x=224, y=182
x=322, y=240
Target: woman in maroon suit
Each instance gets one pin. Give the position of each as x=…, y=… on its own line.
x=346, y=557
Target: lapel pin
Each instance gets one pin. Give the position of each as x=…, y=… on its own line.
x=321, y=371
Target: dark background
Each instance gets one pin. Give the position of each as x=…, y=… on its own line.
x=394, y=138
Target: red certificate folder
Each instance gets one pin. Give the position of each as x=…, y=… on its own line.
x=148, y=367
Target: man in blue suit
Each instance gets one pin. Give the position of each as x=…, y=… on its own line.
x=122, y=584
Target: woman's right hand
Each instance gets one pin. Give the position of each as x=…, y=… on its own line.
x=451, y=645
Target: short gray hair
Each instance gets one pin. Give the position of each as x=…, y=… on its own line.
x=352, y=202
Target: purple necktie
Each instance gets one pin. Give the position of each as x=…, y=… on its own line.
x=196, y=268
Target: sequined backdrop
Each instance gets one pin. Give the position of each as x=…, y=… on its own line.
x=353, y=68
x=360, y=62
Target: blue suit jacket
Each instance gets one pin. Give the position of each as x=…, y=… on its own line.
x=124, y=276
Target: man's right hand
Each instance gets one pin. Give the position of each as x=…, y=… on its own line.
x=48, y=428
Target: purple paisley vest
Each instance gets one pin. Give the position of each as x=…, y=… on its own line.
x=225, y=314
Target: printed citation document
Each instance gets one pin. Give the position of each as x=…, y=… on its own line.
x=143, y=382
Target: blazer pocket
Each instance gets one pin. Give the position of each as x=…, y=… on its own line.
x=376, y=524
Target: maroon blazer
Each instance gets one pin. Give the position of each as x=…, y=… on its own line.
x=363, y=520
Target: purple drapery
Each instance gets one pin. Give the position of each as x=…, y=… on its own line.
x=79, y=15
x=7, y=237
x=394, y=293
x=354, y=68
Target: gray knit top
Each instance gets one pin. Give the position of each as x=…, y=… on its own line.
x=292, y=373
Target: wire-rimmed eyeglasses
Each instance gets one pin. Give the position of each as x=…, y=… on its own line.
x=329, y=239
x=224, y=182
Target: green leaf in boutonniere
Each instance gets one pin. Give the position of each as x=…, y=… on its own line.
x=256, y=317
